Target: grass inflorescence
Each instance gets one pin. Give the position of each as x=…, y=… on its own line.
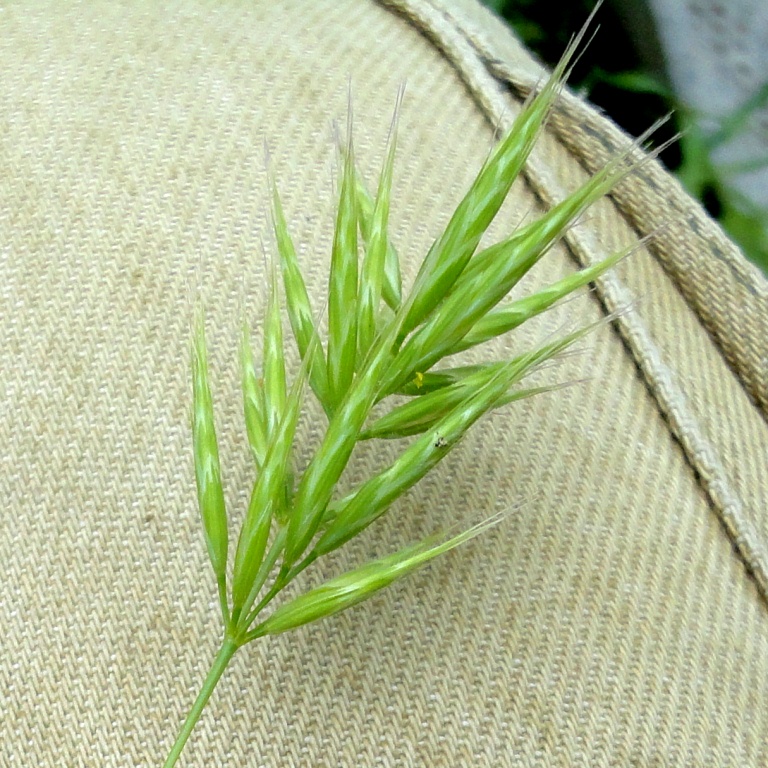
x=382, y=341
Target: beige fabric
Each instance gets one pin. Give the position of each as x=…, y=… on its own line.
x=610, y=621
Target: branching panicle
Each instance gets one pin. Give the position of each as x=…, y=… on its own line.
x=382, y=340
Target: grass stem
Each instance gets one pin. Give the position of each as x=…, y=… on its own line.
x=222, y=585
x=223, y=657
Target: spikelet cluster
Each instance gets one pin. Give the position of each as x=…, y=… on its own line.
x=382, y=340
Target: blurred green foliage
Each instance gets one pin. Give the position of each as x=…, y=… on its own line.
x=611, y=73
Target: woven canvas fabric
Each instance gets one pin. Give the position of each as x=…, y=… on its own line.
x=618, y=615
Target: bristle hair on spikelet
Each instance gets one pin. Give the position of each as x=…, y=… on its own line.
x=383, y=340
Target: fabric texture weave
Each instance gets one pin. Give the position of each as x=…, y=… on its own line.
x=617, y=617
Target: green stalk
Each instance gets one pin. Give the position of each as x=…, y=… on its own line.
x=223, y=657
x=222, y=584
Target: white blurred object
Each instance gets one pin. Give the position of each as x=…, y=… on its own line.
x=717, y=58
